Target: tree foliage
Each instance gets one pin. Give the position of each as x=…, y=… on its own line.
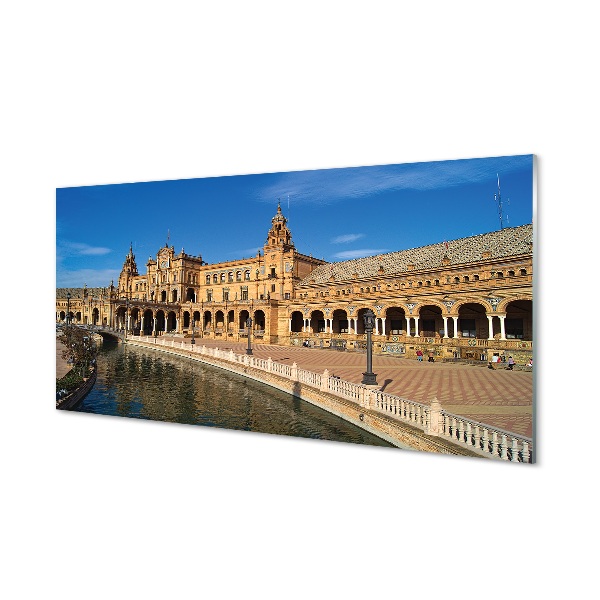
x=80, y=348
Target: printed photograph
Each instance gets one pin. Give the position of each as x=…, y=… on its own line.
x=387, y=305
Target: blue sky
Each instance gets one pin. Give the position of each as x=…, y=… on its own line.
x=335, y=214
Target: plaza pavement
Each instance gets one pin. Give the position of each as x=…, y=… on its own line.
x=500, y=398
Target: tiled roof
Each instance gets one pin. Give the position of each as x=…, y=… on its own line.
x=511, y=241
x=61, y=293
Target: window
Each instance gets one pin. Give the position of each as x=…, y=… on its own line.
x=209, y=295
x=247, y=275
x=222, y=277
x=466, y=278
x=272, y=275
x=244, y=293
x=215, y=278
x=523, y=272
x=287, y=295
x=208, y=280
x=499, y=274
x=238, y=276
x=230, y=276
x=273, y=287
x=225, y=295
x=511, y=273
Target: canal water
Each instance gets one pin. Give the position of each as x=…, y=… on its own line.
x=146, y=384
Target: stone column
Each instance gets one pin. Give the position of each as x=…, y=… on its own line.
x=455, y=319
x=416, y=326
x=490, y=328
x=376, y=332
x=382, y=325
x=445, y=326
x=502, y=327
x=290, y=325
x=408, y=326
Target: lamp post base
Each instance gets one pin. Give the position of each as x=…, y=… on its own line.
x=248, y=351
x=369, y=379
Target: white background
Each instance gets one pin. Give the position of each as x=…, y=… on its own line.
x=130, y=91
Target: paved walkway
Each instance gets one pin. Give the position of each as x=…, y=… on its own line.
x=62, y=368
x=499, y=398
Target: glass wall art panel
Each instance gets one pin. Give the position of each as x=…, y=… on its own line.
x=385, y=305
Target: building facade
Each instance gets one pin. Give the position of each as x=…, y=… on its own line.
x=468, y=298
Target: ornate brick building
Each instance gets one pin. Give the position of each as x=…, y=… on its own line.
x=467, y=298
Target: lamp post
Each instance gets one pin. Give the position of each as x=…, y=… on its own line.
x=68, y=308
x=192, y=319
x=126, y=311
x=369, y=378
x=249, y=326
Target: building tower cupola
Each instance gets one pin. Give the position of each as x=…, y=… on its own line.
x=279, y=235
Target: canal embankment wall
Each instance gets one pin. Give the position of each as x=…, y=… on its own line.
x=312, y=388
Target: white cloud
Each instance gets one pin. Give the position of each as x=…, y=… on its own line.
x=345, y=239
x=327, y=186
x=76, y=249
x=349, y=254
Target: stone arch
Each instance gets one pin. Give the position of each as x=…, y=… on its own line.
x=317, y=321
x=207, y=320
x=430, y=320
x=395, y=320
x=160, y=321
x=519, y=320
x=171, y=321
x=219, y=320
x=242, y=318
x=297, y=321
x=472, y=320
x=340, y=321
x=148, y=322
x=190, y=295
x=259, y=320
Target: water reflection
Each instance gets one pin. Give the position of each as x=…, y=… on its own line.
x=145, y=384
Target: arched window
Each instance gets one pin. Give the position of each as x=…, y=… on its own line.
x=456, y=280
x=247, y=275
x=215, y=278
x=230, y=276
x=207, y=279
x=222, y=277
x=523, y=272
x=466, y=278
x=499, y=274
x=238, y=276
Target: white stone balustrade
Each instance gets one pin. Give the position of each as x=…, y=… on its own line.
x=433, y=420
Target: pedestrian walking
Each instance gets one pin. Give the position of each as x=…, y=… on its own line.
x=420, y=355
